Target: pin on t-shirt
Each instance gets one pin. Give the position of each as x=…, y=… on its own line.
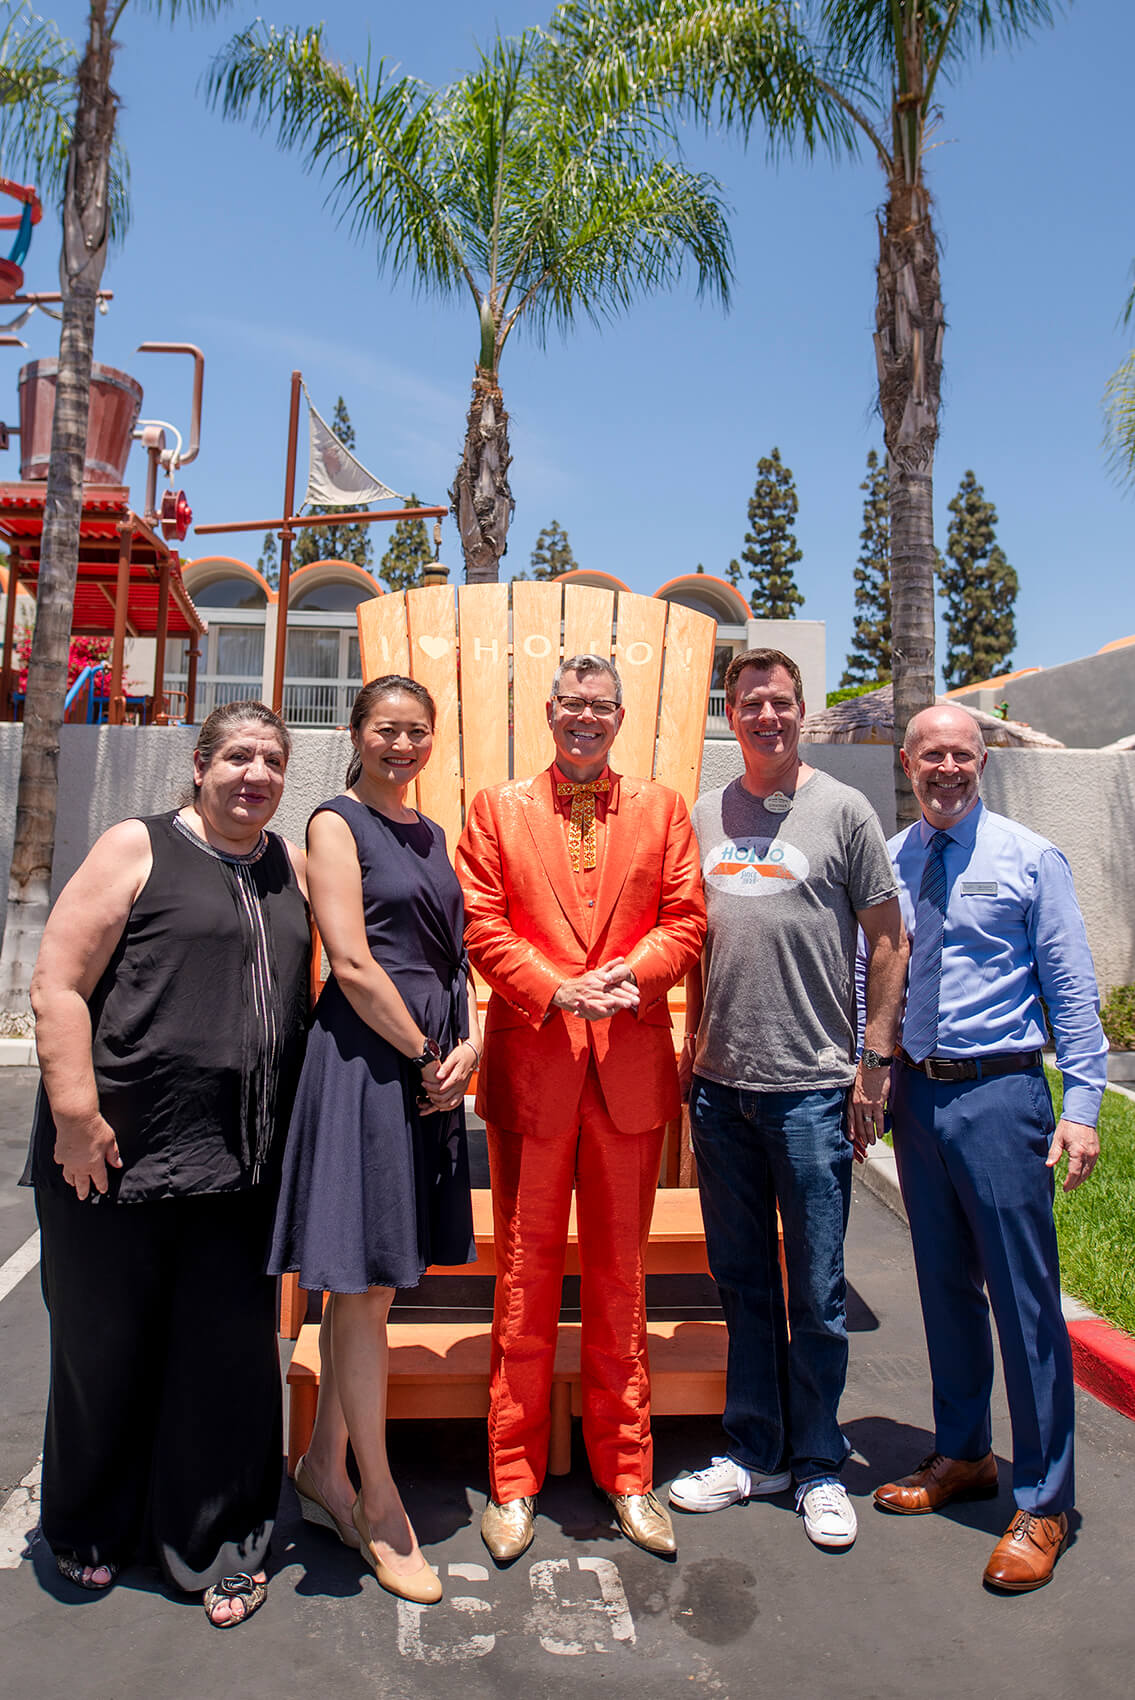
x=778, y=803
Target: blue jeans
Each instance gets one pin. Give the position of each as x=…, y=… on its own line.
x=756, y=1150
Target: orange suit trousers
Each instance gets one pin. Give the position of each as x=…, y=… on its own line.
x=615, y=1176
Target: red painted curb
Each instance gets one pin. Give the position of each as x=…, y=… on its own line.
x=1103, y=1360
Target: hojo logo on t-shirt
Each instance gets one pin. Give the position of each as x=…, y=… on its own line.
x=754, y=867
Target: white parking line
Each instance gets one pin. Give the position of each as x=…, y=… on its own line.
x=18, y=1265
x=19, y=1517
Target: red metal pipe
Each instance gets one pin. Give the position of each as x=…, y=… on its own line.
x=286, y=550
x=117, y=711
x=364, y=516
x=198, y=386
x=161, y=635
x=7, y=673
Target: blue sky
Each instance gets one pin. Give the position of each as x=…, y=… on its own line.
x=642, y=437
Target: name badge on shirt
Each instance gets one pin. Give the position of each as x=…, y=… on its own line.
x=979, y=888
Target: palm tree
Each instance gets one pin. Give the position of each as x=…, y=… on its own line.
x=838, y=74
x=509, y=186
x=93, y=209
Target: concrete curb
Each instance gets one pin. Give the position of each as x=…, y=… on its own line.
x=18, y=1053
x=1103, y=1357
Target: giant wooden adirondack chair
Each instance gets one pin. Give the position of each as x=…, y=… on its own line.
x=489, y=668
x=487, y=656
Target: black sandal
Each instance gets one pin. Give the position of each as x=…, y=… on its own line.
x=238, y=1587
x=71, y=1568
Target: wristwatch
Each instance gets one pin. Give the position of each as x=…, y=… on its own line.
x=430, y=1054
x=873, y=1059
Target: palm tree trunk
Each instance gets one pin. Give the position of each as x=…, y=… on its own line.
x=481, y=498
x=84, y=252
x=909, y=323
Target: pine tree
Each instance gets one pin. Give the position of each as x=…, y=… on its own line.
x=869, y=660
x=733, y=573
x=772, y=549
x=269, y=562
x=409, y=553
x=552, y=554
x=980, y=588
x=334, y=542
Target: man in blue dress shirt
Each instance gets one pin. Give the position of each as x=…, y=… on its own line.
x=995, y=927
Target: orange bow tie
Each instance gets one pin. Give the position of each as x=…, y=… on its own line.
x=582, y=845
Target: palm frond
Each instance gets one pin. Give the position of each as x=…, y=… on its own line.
x=863, y=32
x=37, y=98
x=1119, y=421
x=511, y=182
x=374, y=136
x=728, y=62
x=619, y=240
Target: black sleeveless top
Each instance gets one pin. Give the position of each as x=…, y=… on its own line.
x=198, y=1023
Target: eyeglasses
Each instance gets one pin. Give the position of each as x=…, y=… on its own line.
x=602, y=706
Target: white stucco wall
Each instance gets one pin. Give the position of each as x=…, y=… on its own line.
x=1083, y=800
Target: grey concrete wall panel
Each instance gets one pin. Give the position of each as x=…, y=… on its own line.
x=1084, y=703
x=1083, y=800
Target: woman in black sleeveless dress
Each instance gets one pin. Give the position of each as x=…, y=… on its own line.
x=171, y=1006
x=376, y=1174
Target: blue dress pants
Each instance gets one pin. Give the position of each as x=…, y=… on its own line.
x=971, y=1161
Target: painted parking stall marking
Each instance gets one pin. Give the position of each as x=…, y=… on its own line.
x=573, y=1613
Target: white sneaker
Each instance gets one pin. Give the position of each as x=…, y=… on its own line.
x=829, y=1516
x=723, y=1483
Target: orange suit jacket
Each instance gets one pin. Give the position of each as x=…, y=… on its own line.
x=527, y=930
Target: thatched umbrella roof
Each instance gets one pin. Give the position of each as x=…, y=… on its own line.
x=870, y=719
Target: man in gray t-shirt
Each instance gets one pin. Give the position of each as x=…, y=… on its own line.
x=793, y=864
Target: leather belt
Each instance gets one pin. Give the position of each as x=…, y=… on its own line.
x=977, y=1068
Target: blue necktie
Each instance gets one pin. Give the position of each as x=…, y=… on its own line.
x=920, y=1023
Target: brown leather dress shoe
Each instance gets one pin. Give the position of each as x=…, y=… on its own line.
x=507, y=1530
x=1025, y=1555
x=936, y=1482
x=642, y=1520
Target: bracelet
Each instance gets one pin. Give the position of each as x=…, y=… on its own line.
x=475, y=1051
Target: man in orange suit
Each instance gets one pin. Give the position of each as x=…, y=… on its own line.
x=583, y=906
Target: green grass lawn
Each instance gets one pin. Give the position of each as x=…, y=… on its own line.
x=1096, y=1223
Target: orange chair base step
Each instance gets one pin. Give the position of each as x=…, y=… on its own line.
x=441, y=1370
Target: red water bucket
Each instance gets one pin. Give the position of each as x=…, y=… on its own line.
x=116, y=401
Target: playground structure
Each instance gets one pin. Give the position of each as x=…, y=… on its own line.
x=11, y=268
x=128, y=579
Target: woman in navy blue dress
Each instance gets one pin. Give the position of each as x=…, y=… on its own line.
x=376, y=1173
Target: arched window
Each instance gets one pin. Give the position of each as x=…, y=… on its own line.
x=230, y=593
x=332, y=596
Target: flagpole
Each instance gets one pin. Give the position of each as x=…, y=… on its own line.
x=286, y=549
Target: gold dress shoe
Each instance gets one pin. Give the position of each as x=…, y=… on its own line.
x=642, y=1520
x=1025, y=1555
x=936, y=1482
x=420, y=1585
x=507, y=1530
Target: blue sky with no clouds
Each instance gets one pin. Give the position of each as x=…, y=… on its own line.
x=642, y=437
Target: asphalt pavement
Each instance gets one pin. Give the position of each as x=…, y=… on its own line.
x=749, y=1608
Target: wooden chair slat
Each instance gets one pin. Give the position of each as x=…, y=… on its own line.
x=588, y=616
x=536, y=613
x=685, y=691
x=433, y=660
x=383, y=643
x=482, y=613
x=638, y=656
